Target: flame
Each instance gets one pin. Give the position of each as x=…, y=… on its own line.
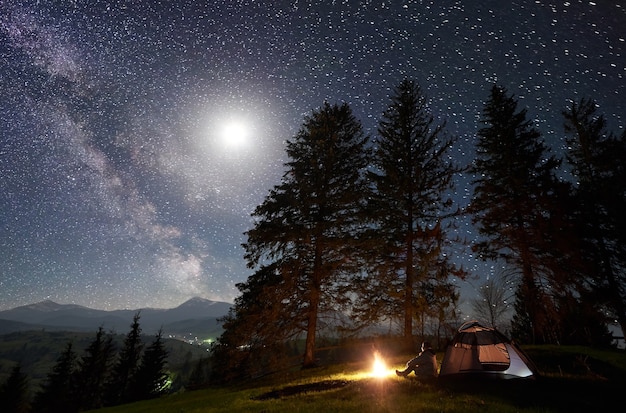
x=379, y=368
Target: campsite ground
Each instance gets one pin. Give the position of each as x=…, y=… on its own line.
x=574, y=379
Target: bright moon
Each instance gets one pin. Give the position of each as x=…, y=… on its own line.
x=235, y=134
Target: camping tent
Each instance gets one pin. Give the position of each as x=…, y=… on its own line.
x=479, y=350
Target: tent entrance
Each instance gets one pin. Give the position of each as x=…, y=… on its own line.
x=494, y=357
x=477, y=349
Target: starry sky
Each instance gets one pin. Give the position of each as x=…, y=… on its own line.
x=136, y=137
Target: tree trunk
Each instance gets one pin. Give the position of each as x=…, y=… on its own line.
x=309, y=350
x=408, y=291
x=314, y=303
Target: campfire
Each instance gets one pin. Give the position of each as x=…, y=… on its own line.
x=379, y=367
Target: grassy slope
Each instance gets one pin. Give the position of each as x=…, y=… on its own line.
x=573, y=379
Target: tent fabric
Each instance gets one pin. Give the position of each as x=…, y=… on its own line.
x=480, y=350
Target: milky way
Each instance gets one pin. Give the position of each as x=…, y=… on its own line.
x=115, y=189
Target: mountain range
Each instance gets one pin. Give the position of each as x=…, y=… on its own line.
x=195, y=317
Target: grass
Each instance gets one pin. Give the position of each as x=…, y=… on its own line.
x=573, y=379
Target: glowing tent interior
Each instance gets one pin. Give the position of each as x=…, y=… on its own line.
x=479, y=350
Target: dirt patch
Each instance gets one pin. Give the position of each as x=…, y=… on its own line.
x=303, y=388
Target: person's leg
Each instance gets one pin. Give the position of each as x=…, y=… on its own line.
x=404, y=372
x=410, y=366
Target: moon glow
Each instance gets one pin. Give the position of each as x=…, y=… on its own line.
x=235, y=135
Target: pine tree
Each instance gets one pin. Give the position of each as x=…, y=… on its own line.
x=57, y=392
x=199, y=376
x=521, y=323
x=124, y=370
x=93, y=371
x=413, y=179
x=256, y=328
x=151, y=379
x=596, y=157
x=514, y=191
x=14, y=392
x=309, y=227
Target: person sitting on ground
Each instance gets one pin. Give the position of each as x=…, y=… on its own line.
x=424, y=365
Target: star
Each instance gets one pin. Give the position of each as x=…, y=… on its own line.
x=136, y=138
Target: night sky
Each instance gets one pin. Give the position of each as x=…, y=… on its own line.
x=136, y=137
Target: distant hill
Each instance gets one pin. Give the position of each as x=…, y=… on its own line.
x=196, y=317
